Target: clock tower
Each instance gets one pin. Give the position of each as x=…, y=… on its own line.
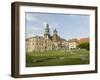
x=47, y=32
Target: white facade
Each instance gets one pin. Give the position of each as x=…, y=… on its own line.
x=72, y=45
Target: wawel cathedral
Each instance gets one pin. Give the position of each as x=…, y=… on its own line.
x=49, y=42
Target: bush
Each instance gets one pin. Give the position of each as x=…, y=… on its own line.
x=84, y=45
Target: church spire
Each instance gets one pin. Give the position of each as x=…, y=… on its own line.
x=55, y=31
x=55, y=36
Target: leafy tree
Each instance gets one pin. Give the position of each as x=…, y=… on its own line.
x=84, y=45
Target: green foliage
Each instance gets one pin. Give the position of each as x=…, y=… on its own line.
x=56, y=58
x=84, y=45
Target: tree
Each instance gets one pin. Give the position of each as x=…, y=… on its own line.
x=84, y=45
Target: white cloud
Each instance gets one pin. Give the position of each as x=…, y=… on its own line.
x=44, y=24
x=30, y=17
x=33, y=31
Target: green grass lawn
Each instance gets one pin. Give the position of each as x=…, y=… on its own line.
x=55, y=58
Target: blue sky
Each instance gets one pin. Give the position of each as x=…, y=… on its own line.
x=68, y=25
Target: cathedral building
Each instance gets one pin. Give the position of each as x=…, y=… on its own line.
x=49, y=42
x=44, y=43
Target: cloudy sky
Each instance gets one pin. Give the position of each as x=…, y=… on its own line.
x=68, y=25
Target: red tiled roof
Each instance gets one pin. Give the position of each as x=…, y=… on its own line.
x=84, y=40
x=73, y=40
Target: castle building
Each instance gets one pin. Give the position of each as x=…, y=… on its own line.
x=72, y=43
x=43, y=43
x=49, y=42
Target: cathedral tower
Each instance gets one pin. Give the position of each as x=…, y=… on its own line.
x=55, y=36
x=47, y=32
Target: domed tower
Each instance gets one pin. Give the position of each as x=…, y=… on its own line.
x=47, y=32
x=55, y=36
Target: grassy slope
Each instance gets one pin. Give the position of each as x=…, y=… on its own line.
x=55, y=58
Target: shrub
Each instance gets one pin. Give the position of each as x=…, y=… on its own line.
x=84, y=45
